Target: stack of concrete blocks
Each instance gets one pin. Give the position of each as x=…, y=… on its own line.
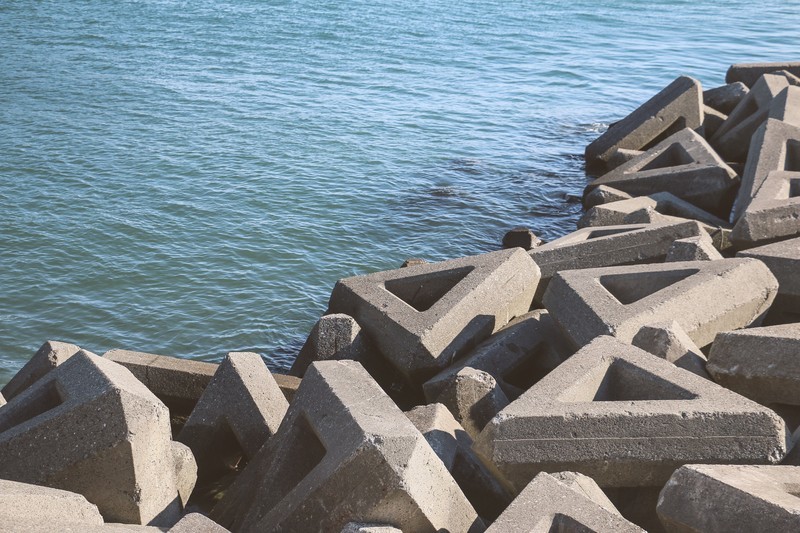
x=783, y=259
x=50, y=355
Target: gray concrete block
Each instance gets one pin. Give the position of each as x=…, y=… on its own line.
x=344, y=453
x=712, y=120
x=677, y=106
x=89, y=426
x=362, y=527
x=585, y=486
x=454, y=447
x=239, y=410
x=604, y=194
x=197, y=523
x=749, y=73
x=774, y=212
x=521, y=237
x=421, y=318
x=723, y=498
x=50, y=355
x=703, y=297
x=549, y=504
x=648, y=215
x=786, y=106
x=23, y=502
x=336, y=336
x=626, y=418
x=287, y=384
x=725, y=98
x=413, y=261
x=700, y=248
x=760, y=363
x=683, y=164
x=607, y=246
x=783, y=260
x=621, y=156
x=185, y=471
x=615, y=213
x=669, y=341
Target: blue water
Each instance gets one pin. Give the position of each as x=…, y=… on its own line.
x=191, y=178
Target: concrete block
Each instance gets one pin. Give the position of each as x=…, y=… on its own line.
x=361, y=527
x=760, y=363
x=185, y=471
x=783, y=260
x=774, y=212
x=344, y=453
x=336, y=336
x=413, y=261
x=725, y=98
x=49, y=356
x=626, y=418
x=239, y=410
x=669, y=341
x=615, y=213
x=712, y=120
x=749, y=73
x=454, y=447
x=549, y=504
x=287, y=384
x=682, y=164
x=732, y=138
x=677, y=106
x=422, y=318
x=786, y=106
x=703, y=297
x=89, y=426
x=23, y=502
x=700, y=248
x=197, y=523
x=722, y=498
x=521, y=237
x=607, y=246
x=604, y=194
x=622, y=156
x=648, y=215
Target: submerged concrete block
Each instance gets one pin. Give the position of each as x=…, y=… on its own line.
x=615, y=213
x=422, y=318
x=668, y=341
x=760, y=363
x=621, y=156
x=239, y=410
x=521, y=237
x=336, y=336
x=677, y=106
x=703, y=297
x=549, y=504
x=682, y=164
x=723, y=498
x=725, y=98
x=749, y=73
x=700, y=248
x=33, y=505
x=604, y=194
x=2, y=400
x=626, y=418
x=344, y=453
x=197, y=523
x=50, y=355
x=783, y=260
x=91, y=427
x=774, y=212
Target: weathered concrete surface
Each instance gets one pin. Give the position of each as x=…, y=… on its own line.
x=454, y=447
x=621, y=156
x=336, y=336
x=361, y=527
x=626, y=418
x=725, y=98
x=760, y=363
x=2, y=400
x=677, y=106
x=614, y=213
x=774, y=212
x=607, y=246
x=23, y=502
x=521, y=237
x=185, y=471
x=604, y=194
x=421, y=318
x=683, y=164
x=783, y=260
x=703, y=297
x=344, y=453
x=287, y=384
x=712, y=120
x=197, y=523
x=49, y=356
x=549, y=504
x=239, y=410
x=700, y=248
x=749, y=73
x=723, y=498
x=669, y=342
x=89, y=426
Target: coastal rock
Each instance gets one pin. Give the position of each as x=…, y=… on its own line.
x=23, y=505
x=521, y=237
x=669, y=342
x=604, y=194
x=700, y=248
x=48, y=357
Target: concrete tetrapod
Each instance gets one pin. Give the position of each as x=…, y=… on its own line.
x=783, y=260
x=343, y=453
x=614, y=213
x=774, y=212
x=723, y=498
x=89, y=426
x=703, y=297
x=700, y=248
x=49, y=356
x=749, y=73
x=23, y=504
x=422, y=317
x=626, y=418
x=604, y=194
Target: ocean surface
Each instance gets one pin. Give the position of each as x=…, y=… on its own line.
x=191, y=178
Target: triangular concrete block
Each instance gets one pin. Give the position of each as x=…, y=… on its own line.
x=722, y=498
x=703, y=297
x=614, y=213
x=774, y=212
x=783, y=260
x=50, y=355
x=626, y=418
x=699, y=248
x=683, y=164
x=725, y=98
x=669, y=342
x=422, y=317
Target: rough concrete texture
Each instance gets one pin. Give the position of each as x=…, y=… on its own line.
x=421, y=318
x=700, y=248
x=677, y=106
x=626, y=418
x=521, y=237
x=723, y=498
x=23, y=502
x=89, y=426
x=725, y=98
x=49, y=356
x=669, y=341
x=549, y=504
x=2, y=400
x=783, y=260
x=604, y=194
x=614, y=213
x=197, y=523
x=648, y=215
x=361, y=527
x=774, y=212
x=185, y=471
x=703, y=297
x=733, y=137
x=749, y=73
x=712, y=120
x=345, y=452
x=682, y=164
x=516, y=357
x=287, y=384
x=239, y=410
x=336, y=336
x=621, y=156
x=413, y=261
x=760, y=363
x=607, y=246
x=454, y=447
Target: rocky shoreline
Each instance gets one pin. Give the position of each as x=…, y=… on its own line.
x=642, y=372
